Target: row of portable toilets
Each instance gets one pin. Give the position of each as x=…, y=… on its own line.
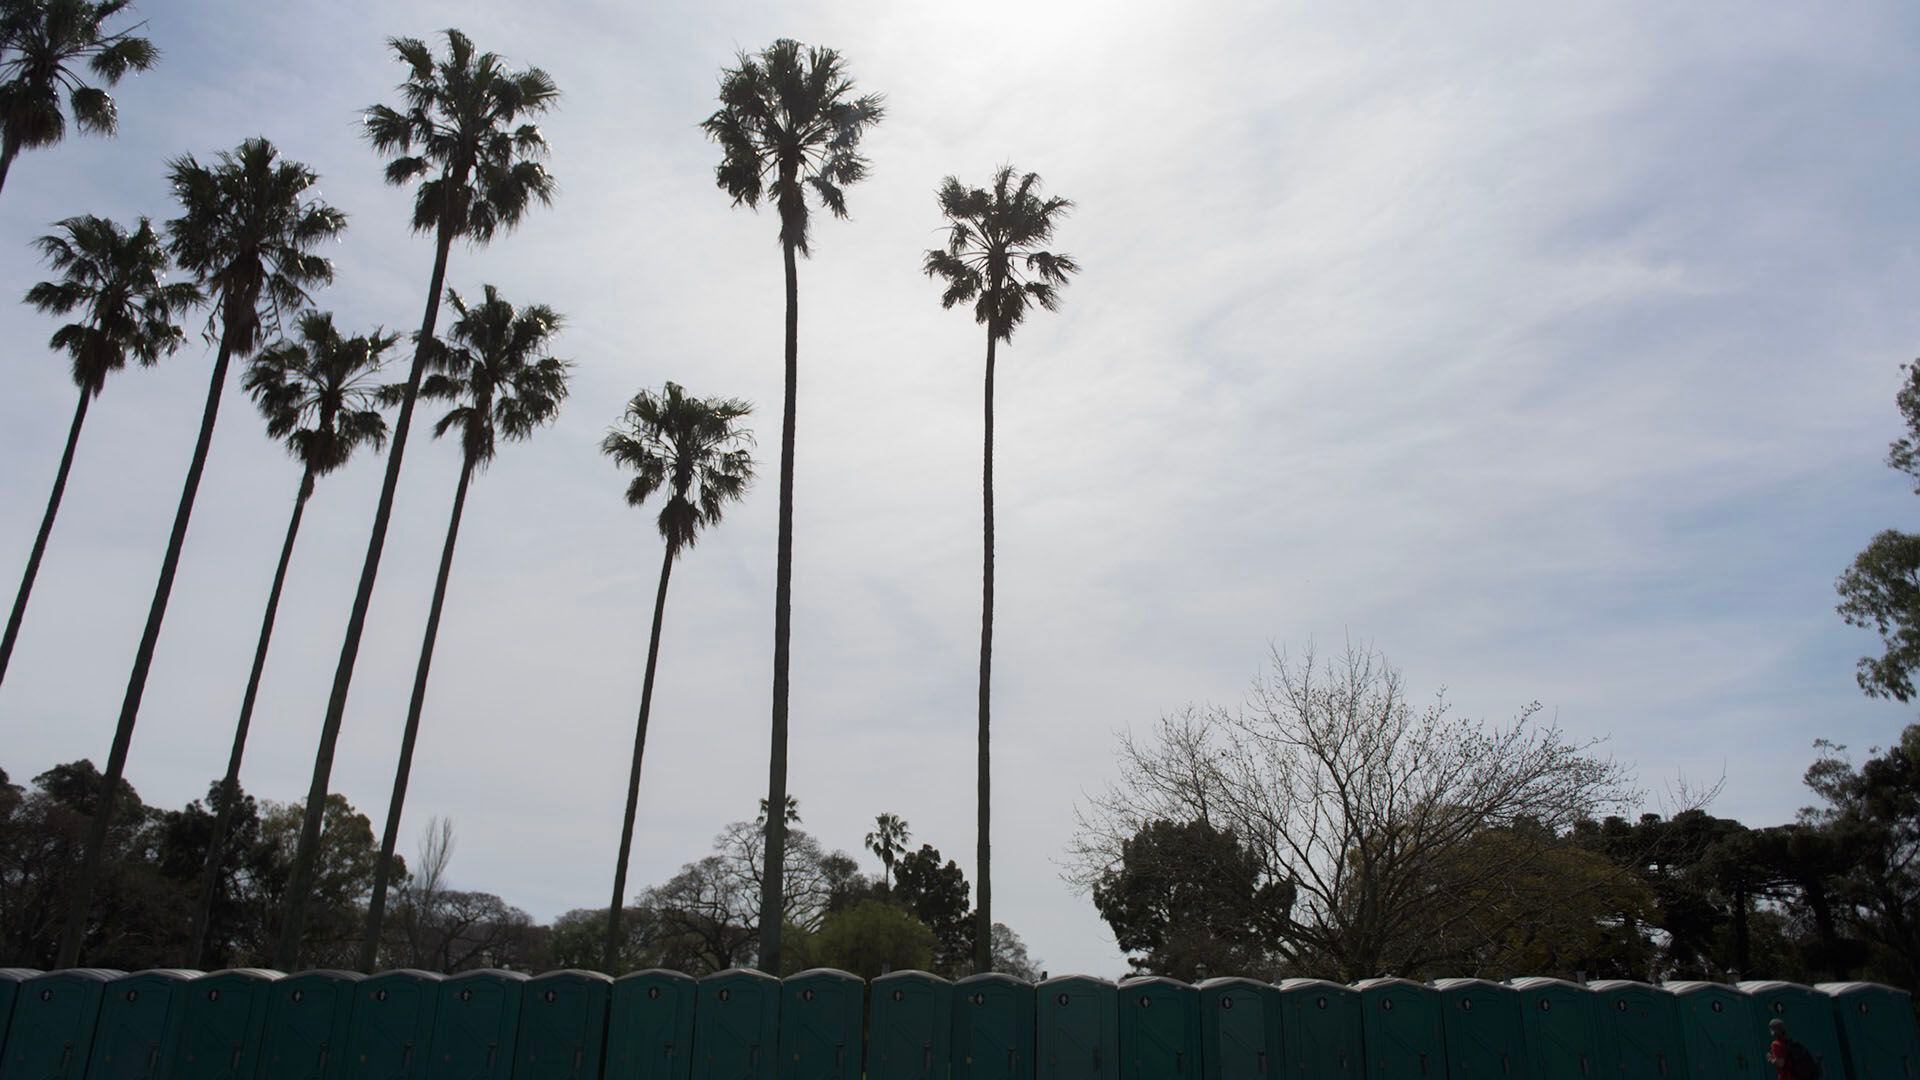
x=89, y=1024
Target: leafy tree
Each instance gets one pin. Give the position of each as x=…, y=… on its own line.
x=887, y=840
x=1874, y=810
x=46, y=42
x=872, y=938
x=1194, y=902
x=936, y=894
x=1010, y=956
x=247, y=230
x=994, y=260
x=788, y=120
x=343, y=878
x=495, y=366
x=696, y=449
x=224, y=921
x=116, y=280
x=1881, y=590
x=464, y=122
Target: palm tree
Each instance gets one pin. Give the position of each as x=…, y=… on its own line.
x=464, y=121
x=317, y=395
x=494, y=365
x=788, y=120
x=116, y=280
x=45, y=41
x=695, y=448
x=887, y=840
x=247, y=230
x=993, y=258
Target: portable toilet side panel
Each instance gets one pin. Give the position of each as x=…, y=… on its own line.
x=1877, y=1031
x=1239, y=1029
x=222, y=1017
x=1159, y=1030
x=391, y=1028
x=1321, y=1030
x=1485, y=1038
x=1562, y=1035
x=736, y=1026
x=1809, y=1017
x=475, y=1024
x=10, y=980
x=650, y=1026
x=138, y=1025
x=910, y=1027
x=822, y=1017
x=51, y=1032
x=1639, y=1030
x=993, y=1036
x=1400, y=1021
x=1717, y=1023
x=309, y=1016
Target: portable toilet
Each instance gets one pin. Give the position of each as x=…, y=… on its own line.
x=1239, y=1029
x=1159, y=1029
x=1563, y=1037
x=1808, y=1014
x=474, y=1025
x=1639, y=1030
x=736, y=1026
x=910, y=1027
x=1320, y=1027
x=391, y=1027
x=1074, y=1017
x=992, y=1028
x=563, y=1025
x=650, y=1026
x=308, y=1019
x=1717, y=1023
x=51, y=1031
x=1485, y=1036
x=10, y=980
x=1877, y=1031
x=222, y=1017
x=138, y=1024
x=822, y=1020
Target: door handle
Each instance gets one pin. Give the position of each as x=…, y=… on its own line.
x=1260, y=1056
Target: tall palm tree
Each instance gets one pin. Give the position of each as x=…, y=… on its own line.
x=117, y=281
x=46, y=41
x=994, y=260
x=788, y=120
x=317, y=394
x=494, y=364
x=247, y=230
x=887, y=840
x=463, y=122
x=696, y=450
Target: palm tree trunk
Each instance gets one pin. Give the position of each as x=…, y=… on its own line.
x=80, y=901
x=46, y=530
x=983, y=909
x=382, y=870
x=772, y=885
x=612, y=954
x=286, y=952
x=9, y=149
x=230, y=784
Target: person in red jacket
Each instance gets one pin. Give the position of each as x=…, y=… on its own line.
x=1778, y=1055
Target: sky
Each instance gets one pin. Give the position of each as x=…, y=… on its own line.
x=1549, y=349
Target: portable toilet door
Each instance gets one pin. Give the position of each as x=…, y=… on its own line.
x=822, y=1019
x=1717, y=1023
x=1562, y=1033
x=1400, y=1021
x=222, y=1018
x=309, y=1016
x=1073, y=1029
x=1159, y=1029
x=10, y=980
x=391, y=1032
x=1485, y=1038
x=1239, y=1029
x=992, y=1028
x=137, y=1025
x=1877, y=1031
x=475, y=1024
x=736, y=1026
x=650, y=1026
x=1640, y=1027
x=910, y=1029
x=1321, y=1029
x=563, y=1026
x=50, y=1034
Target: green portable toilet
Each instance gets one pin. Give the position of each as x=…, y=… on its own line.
x=736, y=1026
x=910, y=1029
x=650, y=1026
x=1639, y=1031
x=1400, y=1023
x=10, y=980
x=50, y=1034
x=1485, y=1037
x=1074, y=1017
x=821, y=1022
x=222, y=1016
x=1563, y=1036
x=1717, y=1023
x=1320, y=1025
x=1877, y=1032
x=992, y=1028
x=138, y=1024
x=1159, y=1029
x=1239, y=1029
x=308, y=1018
x=1809, y=1017
x=390, y=1033
x=563, y=1026
x=475, y=1024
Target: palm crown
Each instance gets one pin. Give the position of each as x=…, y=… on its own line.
x=317, y=392
x=787, y=121
x=993, y=256
x=464, y=117
x=693, y=447
x=46, y=40
x=116, y=279
x=492, y=364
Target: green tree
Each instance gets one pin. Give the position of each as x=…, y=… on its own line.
x=1193, y=902
x=495, y=366
x=1881, y=590
x=247, y=231
x=994, y=260
x=788, y=121
x=465, y=120
x=696, y=450
x=46, y=41
x=937, y=894
x=317, y=395
x=872, y=938
x=116, y=280
x=887, y=840
x=1875, y=808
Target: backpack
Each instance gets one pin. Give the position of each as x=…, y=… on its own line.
x=1801, y=1062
